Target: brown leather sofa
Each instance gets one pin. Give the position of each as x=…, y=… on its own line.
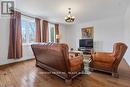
x=55, y=58
x=108, y=62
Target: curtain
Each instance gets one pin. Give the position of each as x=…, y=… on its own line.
x=38, y=30
x=45, y=31
x=57, y=33
x=15, y=39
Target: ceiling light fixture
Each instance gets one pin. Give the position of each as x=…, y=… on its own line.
x=69, y=18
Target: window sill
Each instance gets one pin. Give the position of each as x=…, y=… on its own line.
x=27, y=44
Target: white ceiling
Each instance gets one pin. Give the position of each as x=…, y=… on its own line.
x=83, y=10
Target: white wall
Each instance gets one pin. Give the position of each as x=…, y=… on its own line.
x=65, y=32
x=69, y=35
x=62, y=29
x=127, y=33
x=106, y=32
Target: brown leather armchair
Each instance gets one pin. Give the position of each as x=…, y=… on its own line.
x=108, y=62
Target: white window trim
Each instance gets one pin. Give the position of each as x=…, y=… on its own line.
x=49, y=31
x=27, y=29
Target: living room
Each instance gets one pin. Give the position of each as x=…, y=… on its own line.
x=110, y=21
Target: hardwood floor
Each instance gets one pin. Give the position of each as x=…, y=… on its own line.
x=25, y=74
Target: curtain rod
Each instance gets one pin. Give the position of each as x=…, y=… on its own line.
x=24, y=14
x=28, y=15
x=35, y=17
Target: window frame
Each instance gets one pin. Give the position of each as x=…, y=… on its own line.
x=50, y=25
x=27, y=26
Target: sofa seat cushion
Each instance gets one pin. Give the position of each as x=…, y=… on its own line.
x=103, y=57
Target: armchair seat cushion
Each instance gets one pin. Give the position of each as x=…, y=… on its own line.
x=103, y=57
x=102, y=65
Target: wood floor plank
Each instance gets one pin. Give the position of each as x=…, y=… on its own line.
x=25, y=74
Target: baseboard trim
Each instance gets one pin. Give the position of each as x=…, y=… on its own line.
x=9, y=64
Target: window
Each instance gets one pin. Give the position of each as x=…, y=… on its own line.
x=51, y=32
x=28, y=30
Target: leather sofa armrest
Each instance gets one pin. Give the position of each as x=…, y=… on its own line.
x=74, y=61
x=76, y=53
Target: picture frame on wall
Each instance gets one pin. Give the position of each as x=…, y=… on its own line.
x=87, y=33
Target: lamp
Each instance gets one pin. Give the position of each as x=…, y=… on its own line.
x=69, y=18
x=58, y=38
